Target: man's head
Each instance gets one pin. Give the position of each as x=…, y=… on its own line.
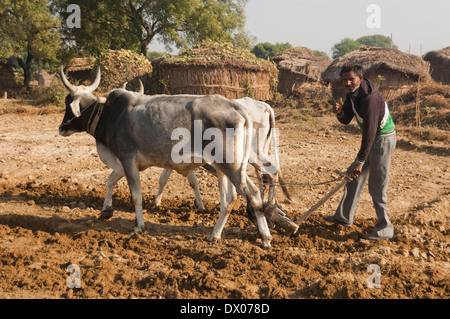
x=351, y=77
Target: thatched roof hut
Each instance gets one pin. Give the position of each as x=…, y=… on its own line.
x=439, y=65
x=297, y=66
x=7, y=78
x=80, y=70
x=216, y=69
x=392, y=70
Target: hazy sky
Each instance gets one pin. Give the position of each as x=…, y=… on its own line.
x=416, y=26
x=319, y=24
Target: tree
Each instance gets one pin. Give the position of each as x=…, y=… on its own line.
x=320, y=53
x=377, y=40
x=348, y=45
x=267, y=50
x=345, y=46
x=134, y=24
x=28, y=31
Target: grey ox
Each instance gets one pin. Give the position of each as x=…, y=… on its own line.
x=134, y=132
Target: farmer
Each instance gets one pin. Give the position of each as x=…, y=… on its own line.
x=372, y=163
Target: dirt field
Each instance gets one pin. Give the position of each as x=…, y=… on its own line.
x=52, y=190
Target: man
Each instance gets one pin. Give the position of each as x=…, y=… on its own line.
x=372, y=163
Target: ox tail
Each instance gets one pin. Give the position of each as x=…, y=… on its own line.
x=245, y=181
x=270, y=135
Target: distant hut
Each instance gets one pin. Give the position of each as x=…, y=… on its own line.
x=80, y=70
x=7, y=78
x=216, y=69
x=297, y=66
x=391, y=70
x=439, y=65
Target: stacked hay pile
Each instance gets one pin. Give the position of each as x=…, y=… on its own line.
x=424, y=104
x=392, y=70
x=216, y=69
x=123, y=66
x=79, y=70
x=439, y=65
x=298, y=66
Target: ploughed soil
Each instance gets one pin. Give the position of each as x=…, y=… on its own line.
x=52, y=190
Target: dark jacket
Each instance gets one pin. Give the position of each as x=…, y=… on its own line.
x=370, y=106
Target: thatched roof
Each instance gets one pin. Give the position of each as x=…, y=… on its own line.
x=379, y=60
x=443, y=54
x=215, y=69
x=439, y=64
x=297, y=66
x=303, y=61
x=216, y=55
x=81, y=64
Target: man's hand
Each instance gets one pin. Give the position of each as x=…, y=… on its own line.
x=337, y=108
x=354, y=170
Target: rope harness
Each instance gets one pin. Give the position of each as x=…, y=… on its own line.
x=291, y=184
x=93, y=120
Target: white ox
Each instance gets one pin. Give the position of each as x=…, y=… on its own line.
x=265, y=135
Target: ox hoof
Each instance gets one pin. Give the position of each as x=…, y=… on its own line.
x=106, y=213
x=212, y=239
x=137, y=231
x=266, y=243
x=157, y=203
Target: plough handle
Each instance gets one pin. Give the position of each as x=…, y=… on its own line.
x=345, y=180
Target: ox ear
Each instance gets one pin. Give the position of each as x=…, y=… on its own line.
x=75, y=106
x=102, y=100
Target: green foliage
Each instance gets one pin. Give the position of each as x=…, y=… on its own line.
x=212, y=52
x=104, y=25
x=151, y=55
x=320, y=53
x=377, y=40
x=51, y=95
x=347, y=45
x=28, y=31
x=122, y=66
x=133, y=24
x=267, y=50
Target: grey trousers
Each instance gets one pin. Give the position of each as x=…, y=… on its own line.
x=376, y=171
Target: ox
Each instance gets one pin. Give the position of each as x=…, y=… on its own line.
x=263, y=118
x=135, y=131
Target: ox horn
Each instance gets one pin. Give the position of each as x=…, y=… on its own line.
x=72, y=88
x=141, y=88
x=124, y=86
x=96, y=83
